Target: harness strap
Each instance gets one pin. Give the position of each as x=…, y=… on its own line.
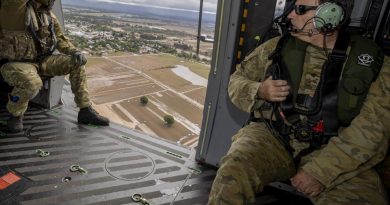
x=331, y=74
x=333, y=69
x=53, y=34
x=33, y=25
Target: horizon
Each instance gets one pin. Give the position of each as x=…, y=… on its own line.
x=189, y=6
x=154, y=11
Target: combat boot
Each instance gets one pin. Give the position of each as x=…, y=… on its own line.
x=88, y=115
x=15, y=124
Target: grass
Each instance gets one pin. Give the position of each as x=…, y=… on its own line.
x=159, y=61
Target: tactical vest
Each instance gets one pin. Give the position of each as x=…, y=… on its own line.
x=25, y=34
x=360, y=69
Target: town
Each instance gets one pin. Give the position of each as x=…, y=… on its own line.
x=98, y=33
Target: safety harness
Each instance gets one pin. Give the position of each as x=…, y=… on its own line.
x=28, y=35
x=41, y=27
x=336, y=100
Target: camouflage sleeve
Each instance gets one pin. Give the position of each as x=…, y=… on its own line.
x=363, y=144
x=245, y=81
x=63, y=43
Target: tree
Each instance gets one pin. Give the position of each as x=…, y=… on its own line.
x=182, y=46
x=169, y=120
x=144, y=100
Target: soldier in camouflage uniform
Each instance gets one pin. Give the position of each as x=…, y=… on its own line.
x=342, y=171
x=29, y=34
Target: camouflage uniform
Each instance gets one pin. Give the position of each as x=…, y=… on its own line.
x=26, y=76
x=344, y=166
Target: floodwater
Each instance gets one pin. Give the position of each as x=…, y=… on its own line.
x=185, y=73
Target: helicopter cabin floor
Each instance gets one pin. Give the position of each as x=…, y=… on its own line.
x=57, y=161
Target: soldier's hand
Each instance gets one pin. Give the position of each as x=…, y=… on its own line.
x=79, y=58
x=273, y=90
x=307, y=184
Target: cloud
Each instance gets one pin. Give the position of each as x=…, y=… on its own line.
x=208, y=5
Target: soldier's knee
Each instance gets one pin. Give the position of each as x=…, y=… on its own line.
x=35, y=84
x=233, y=163
x=14, y=66
x=74, y=68
x=73, y=64
x=5, y=70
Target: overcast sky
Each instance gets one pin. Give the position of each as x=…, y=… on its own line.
x=208, y=5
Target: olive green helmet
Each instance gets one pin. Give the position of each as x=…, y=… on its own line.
x=46, y=3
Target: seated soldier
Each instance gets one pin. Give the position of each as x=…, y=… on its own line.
x=28, y=39
x=321, y=103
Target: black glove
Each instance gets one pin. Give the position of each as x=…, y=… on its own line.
x=79, y=58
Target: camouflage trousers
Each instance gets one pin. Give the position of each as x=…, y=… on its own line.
x=26, y=80
x=257, y=158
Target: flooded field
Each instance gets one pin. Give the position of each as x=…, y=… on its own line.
x=173, y=87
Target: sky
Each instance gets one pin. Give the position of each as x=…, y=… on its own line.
x=208, y=5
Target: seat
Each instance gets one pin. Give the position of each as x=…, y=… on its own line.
x=5, y=88
x=46, y=98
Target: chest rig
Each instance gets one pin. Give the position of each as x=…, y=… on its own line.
x=41, y=26
x=26, y=33
x=339, y=96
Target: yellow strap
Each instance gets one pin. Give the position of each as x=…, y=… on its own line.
x=31, y=17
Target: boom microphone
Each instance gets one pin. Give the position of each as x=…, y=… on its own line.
x=309, y=32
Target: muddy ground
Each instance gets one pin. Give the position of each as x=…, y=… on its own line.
x=116, y=84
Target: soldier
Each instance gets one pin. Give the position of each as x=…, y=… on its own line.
x=29, y=34
x=319, y=118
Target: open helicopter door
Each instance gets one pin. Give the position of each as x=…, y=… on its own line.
x=239, y=24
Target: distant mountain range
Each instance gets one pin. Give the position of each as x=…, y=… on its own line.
x=161, y=13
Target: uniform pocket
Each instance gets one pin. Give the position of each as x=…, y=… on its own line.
x=7, y=48
x=350, y=99
x=17, y=46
